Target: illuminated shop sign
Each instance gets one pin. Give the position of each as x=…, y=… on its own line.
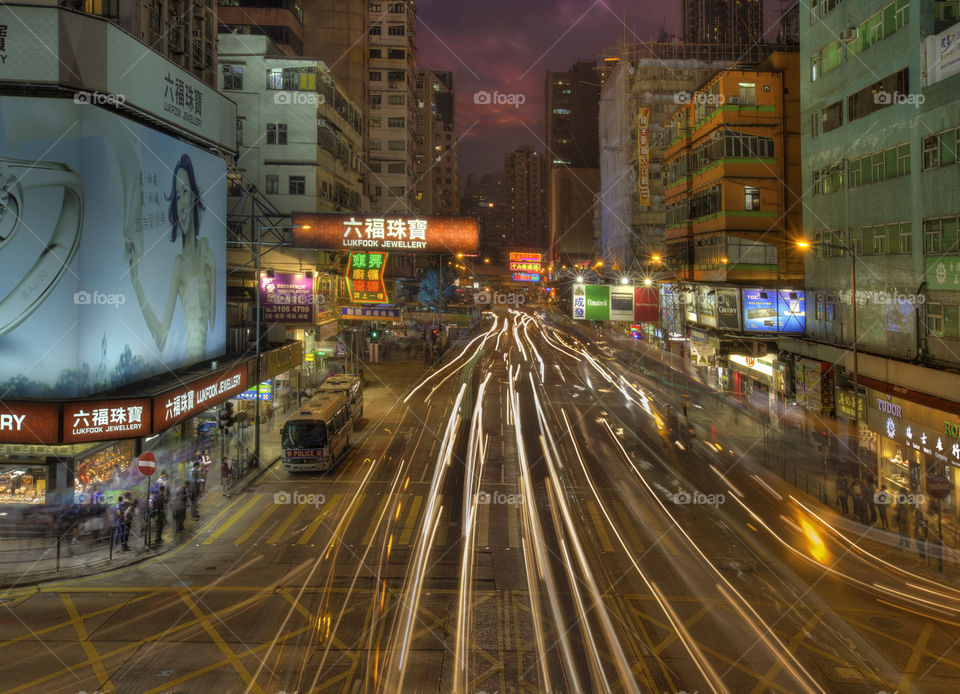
x=287, y=298
x=770, y=310
x=185, y=402
x=525, y=277
x=386, y=233
x=29, y=422
x=105, y=420
x=365, y=277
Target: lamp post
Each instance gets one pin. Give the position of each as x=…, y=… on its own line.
x=856, y=365
x=256, y=389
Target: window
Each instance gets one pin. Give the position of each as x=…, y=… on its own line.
x=376, y=53
x=375, y=167
x=396, y=30
x=396, y=168
x=906, y=238
x=233, y=77
x=374, y=30
x=831, y=308
x=375, y=101
x=376, y=76
x=856, y=241
x=396, y=191
x=855, y=175
x=396, y=99
x=396, y=145
x=397, y=76
x=376, y=122
x=561, y=112
x=878, y=95
x=932, y=236
x=396, y=8
x=931, y=152
x=273, y=184
x=396, y=54
x=903, y=160
x=934, y=311
x=751, y=198
x=276, y=133
x=878, y=167
x=297, y=185
x=374, y=6
x=831, y=116
x=747, y=93
x=818, y=312
x=881, y=244
x=396, y=122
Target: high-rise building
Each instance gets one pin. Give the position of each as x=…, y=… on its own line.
x=335, y=31
x=524, y=180
x=280, y=21
x=182, y=32
x=437, y=184
x=483, y=198
x=573, y=179
x=391, y=78
x=737, y=22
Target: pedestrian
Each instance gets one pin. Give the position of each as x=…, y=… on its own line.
x=194, y=489
x=843, y=490
x=224, y=474
x=122, y=502
x=871, y=494
x=859, y=507
x=126, y=524
x=882, y=501
x=920, y=533
x=205, y=462
x=180, y=506
x=158, y=509
x=902, y=518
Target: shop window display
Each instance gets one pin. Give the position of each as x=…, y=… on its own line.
x=105, y=473
x=23, y=484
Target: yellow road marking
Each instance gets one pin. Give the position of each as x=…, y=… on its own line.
x=411, y=520
x=601, y=531
x=767, y=679
x=513, y=526
x=278, y=533
x=374, y=520
x=626, y=527
x=225, y=526
x=316, y=522
x=483, y=518
x=95, y=661
x=911, y=667
x=256, y=524
x=221, y=644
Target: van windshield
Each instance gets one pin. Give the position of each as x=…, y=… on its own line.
x=304, y=435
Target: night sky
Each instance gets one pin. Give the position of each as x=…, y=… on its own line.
x=508, y=46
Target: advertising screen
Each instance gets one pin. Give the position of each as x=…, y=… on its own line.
x=621, y=303
x=112, y=250
x=707, y=306
x=646, y=304
x=359, y=232
x=728, y=308
x=770, y=310
x=598, y=302
x=791, y=311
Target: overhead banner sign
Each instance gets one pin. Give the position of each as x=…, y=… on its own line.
x=643, y=156
x=179, y=404
x=29, y=422
x=386, y=233
x=365, y=277
x=105, y=420
x=287, y=298
x=529, y=263
x=265, y=389
x=29, y=42
x=525, y=277
x=362, y=313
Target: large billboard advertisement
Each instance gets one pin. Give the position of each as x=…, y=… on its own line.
x=621, y=303
x=357, y=232
x=770, y=310
x=112, y=250
x=646, y=304
x=728, y=308
x=598, y=302
x=643, y=156
x=287, y=297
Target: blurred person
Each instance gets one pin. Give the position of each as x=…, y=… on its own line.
x=158, y=509
x=843, y=490
x=920, y=533
x=127, y=523
x=180, y=506
x=882, y=501
x=902, y=519
x=193, y=488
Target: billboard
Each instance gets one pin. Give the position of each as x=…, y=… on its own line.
x=528, y=263
x=598, y=302
x=728, y=308
x=621, y=303
x=770, y=310
x=365, y=278
x=643, y=156
x=287, y=298
x=942, y=54
x=525, y=277
x=707, y=306
x=386, y=233
x=646, y=304
x=579, y=302
x=113, y=262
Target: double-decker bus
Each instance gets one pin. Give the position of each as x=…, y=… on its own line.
x=351, y=387
x=317, y=434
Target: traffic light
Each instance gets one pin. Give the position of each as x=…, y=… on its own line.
x=226, y=414
x=435, y=332
x=374, y=334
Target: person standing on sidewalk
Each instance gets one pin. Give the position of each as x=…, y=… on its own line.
x=158, y=507
x=224, y=474
x=127, y=523
x=843, y=488
x=180, y=506
x=903, y=524
x=882, y=501
x=859, y=507
x=920, y=533
x=193, y=489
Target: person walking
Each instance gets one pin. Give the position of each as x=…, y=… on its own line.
x=126, y=524
x=122, y=503
x=843, y=490
x=180, y=506
x=902, y=518
x=920, y=534
x=193, y=489
x=859, y=507
x=158, y=508
x=882, y=501
x=224, y=474
x=870, y=497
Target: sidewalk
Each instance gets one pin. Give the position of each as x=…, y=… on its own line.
x=29, y=560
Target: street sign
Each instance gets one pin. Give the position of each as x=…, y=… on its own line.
x=146, y=463
x=938, y=486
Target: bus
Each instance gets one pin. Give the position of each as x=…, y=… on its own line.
x=317, y=434
x=351, y=387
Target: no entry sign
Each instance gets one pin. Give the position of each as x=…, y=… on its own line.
x=146, y=463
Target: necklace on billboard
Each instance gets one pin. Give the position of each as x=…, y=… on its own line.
x=44, y=275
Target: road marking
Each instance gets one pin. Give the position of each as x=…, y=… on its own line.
x=601, y=531
x=443, y=520
x=766, y=682
x=513, y=526
x=910, y=669
x=95, y=661
x=256, y=524
x=316, y=522
x=204, y=621
x=626, y=527
x=278, y=533
x=483, y=525
x=411, y=520
x=233, y=519
x=374, y=520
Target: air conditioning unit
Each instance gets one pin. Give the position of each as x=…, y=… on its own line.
x=734, y=100
x=847, y=35
x=324, y=195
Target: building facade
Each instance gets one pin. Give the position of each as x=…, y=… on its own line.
x=524, y=180
x=281, y=21
x=573, y=175
x=723, y=21
x=437, y=183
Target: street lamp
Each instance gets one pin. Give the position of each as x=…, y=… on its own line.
x=256, y=428
x=853, y=318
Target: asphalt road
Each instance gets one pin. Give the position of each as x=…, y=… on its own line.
x=523, y=520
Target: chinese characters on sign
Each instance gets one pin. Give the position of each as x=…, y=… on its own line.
x=579, y=302
x=28, y=422
x=643, y=158
x=430, y=235
x=362, y=313
x=526, y=277
x=94, y=421
x=365, y=277
x=182, y=100
x=179, y=404
x=287, y=298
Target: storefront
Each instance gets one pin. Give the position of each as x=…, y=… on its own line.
x=754, y=379
x=813, y=386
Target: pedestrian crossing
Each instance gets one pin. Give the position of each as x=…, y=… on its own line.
x=261, y=520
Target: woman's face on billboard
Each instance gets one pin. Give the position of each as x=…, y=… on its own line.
x=185, y=202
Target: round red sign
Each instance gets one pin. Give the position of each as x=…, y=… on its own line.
x=938, y=486
x=147, y=463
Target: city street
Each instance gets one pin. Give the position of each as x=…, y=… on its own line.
x=520, y=519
